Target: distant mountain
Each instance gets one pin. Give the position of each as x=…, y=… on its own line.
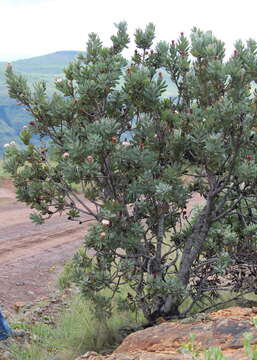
x=46, y=64
x=46, y=67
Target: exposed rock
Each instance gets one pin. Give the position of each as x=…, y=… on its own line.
x=5, y=356
x=18, y=333
x=92, y=355
x=224, y=329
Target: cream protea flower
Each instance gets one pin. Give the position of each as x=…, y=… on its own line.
x=126, y=143
x=105, y=222
x=59, y=80
x=65, y=155
x=90, y=158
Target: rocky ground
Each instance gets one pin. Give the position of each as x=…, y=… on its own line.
x=224, y=329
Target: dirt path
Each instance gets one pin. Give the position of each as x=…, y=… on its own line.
x=31, y=255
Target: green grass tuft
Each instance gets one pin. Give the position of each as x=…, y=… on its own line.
x=3, y=173
x=76, y=332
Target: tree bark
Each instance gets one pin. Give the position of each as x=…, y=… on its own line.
x=190, y=253
x=193, y=246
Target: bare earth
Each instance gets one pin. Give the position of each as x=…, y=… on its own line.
x=31, y=255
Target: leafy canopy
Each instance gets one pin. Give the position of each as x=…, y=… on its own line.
x=138, y=157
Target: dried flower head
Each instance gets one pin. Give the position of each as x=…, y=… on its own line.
x=114, y=140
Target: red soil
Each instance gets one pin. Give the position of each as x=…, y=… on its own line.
x=31, y=255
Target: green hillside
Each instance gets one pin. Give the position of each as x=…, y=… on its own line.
x=46, y=67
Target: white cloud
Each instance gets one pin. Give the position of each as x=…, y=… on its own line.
x=36, y=27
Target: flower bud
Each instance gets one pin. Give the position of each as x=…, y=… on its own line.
x=102, y=235
x=90, y=159
x=65, y=155
x=126, y=143
x=105, y=222
x=12, y=143
x=114, y=140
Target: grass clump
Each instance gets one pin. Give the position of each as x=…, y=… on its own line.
x=76, y=332
x=65, y=279
x=3, y=173
x=79, y=331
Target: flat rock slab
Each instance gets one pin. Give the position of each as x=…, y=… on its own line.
x=224, y=329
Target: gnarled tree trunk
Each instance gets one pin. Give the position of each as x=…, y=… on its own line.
x=190, y=254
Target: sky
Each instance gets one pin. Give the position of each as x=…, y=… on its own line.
x=31, y=28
